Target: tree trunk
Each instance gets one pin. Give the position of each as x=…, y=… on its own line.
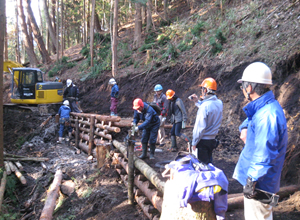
x=29, y=49
x=138, y=26
x=115, y=41
x=5, y=39
x=97, y=23
x=3, y=180
x=36, y=33
x=54, y=25
x=49, y=25
x=17, y=43
x=92, y=33
x=2, y=23
x=57, y=31
x=52, y=195
x=166, y=9
x=84, y=24
x=62, y=28
x=111, y=22
x=149, y=16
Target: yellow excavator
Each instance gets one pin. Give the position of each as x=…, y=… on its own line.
x=29, y=88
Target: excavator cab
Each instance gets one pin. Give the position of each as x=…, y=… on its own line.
x=28, y=87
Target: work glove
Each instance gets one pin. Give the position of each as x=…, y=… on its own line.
x=249, y=189
x=163, y=119
x=136, y=129
x=77, y=99
x=183, y=124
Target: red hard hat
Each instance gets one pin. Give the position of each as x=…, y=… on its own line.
x=209, y=83
x=138, y=103
x=170, y=93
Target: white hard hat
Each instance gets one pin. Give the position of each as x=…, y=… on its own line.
x=112, y=81
x=257, y=73
x=69, y=82
x=66, y=102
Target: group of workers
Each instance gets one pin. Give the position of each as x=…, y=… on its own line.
x=264, y=131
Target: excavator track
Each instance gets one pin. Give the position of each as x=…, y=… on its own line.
x=43, y=109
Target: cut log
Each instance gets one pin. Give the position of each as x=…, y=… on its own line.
x=2, y=188
x=51, y=197
x=46, y=121
x=7, y=168
x=20, y=176
x=101, y=155
x=19, y=165
x=12, y=155
x=145, y=169
x=127, y=123
x=38, y=159
x=12, y=166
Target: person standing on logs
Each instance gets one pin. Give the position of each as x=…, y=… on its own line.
x=265, y=135
x=178, y=117
x=150, y=126
x=71, y=94
x=208, y=120
x=161, y=100
x=64, y=120
x=114, y=95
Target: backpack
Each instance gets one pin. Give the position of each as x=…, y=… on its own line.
x=155, y=107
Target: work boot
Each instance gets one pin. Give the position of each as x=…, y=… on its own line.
x=174, y=144
x=144, y=151
x=152, y=150
x=60, y=139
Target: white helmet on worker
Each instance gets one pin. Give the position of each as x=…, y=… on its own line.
x=112, y=81
x=69, y=82
x=66, y=102
x=257, y=73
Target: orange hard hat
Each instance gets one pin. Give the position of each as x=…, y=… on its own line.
x=170, y=93
x=209, y=83
x=138, y=103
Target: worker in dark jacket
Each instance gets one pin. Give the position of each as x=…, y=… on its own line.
x=150, y=126
x=178, y=117
x=114, y=95
x=71, y=93
x=161, y=100
x=64, y=117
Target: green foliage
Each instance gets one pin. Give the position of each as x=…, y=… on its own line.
x=11, y=184
x=171, y=53
x=129, y=62
x=145, y=47
x=87, y=192
x=20, y=141
x=85, y=51
x=185, y=45
x=162, y=39
x=219, y=35
x=216, y=47
x=198, y=29
x=164, y=23
x=150, y=38
x=9, y=216
x=60, y=66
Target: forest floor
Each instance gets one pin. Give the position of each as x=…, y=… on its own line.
x=100, y=194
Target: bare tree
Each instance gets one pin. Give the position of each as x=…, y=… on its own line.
x=62, y=28
x=2, y=27
x=115, y=41
x=92, y=33
x=5, y=39
x=17, y=44
x=49, y=25
x=84, y=24
x=36, y=33
x=166, y=9
x=149, y=15
x=57, y=30
x=97, y=23
x=138, y=26
x=29, y=48
x=53, y=19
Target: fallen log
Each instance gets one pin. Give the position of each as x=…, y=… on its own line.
x=38, y=159
x=236, y=201
x=17, y=172
x=7, y=168
x=19, y=165
x=2, y=187
x=46, y=121
x=12, y=166
x=51, y=197
x=145, y=169
x=12, y=155
x=127, y=123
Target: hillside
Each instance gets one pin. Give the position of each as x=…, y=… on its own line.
x=199, y=41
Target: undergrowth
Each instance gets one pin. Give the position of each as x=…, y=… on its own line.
x=60, y=66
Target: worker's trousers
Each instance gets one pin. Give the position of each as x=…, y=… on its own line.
x=256, y=210
x=113, y=105
x=161, y=132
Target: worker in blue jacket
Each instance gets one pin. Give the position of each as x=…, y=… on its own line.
x=114, y=97
x=264, y=133
x=150, y=126
x=64, y=120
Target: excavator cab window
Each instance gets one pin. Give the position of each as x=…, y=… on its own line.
x=27, y=81
x=39, y=76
